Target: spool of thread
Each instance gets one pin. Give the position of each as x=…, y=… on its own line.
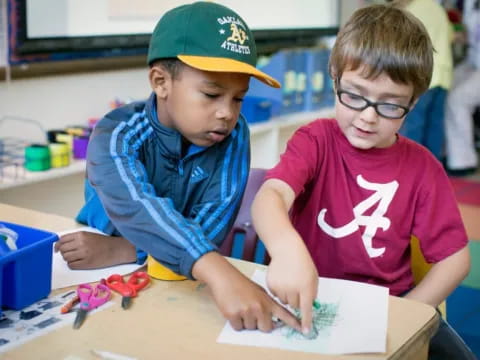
x=158, y=271
x=65, y=138
x=59, y=154
x=52, y=134
x=78, y=131
x=37, y=157
x=80, y=144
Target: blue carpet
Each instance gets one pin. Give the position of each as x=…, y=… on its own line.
x=463, y=314
x=463, y=305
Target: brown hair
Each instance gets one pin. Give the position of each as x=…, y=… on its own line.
x=384, y=39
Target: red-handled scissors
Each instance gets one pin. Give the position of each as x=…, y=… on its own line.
x=137, y=281
x=91, y=297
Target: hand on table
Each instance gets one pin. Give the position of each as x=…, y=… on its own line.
x=242, y=302
x=86, y=250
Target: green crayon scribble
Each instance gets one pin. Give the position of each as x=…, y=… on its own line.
x=323, y=318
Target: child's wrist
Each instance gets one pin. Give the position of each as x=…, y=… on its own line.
x=286, y=245
x=210, y=267
x=127, y=252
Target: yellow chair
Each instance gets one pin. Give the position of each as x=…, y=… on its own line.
x=420, y=267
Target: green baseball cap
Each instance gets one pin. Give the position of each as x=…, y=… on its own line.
x=207, y=36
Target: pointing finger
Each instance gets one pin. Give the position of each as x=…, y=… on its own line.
x=306, y=311
x=286, y=317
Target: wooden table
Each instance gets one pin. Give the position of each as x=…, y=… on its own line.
x=179, y=320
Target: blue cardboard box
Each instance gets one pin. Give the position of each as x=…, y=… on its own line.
x=26, y=273
x=281, y=66
x=319, y=85
x=290, y=80
x=300, y=65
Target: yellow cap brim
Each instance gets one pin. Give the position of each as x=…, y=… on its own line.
x=227, y=65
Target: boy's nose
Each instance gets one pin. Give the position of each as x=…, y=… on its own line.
x=226, y=112
x=369, y=115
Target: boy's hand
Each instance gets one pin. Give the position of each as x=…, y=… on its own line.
x=86, y=250
x=292, y=275
x=293, y=278
x=243, y=303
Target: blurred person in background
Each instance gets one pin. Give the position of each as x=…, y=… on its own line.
x=463, y=99
x=425, y=122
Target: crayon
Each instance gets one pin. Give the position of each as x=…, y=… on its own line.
x=71, y=303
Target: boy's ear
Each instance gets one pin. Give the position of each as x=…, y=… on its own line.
x=333, y=76
x=160, y=81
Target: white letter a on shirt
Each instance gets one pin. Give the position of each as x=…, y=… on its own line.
x=383, y=195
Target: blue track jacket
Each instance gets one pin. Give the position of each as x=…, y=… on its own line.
x=139, y=186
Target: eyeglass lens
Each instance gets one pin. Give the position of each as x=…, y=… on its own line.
x=358, y=102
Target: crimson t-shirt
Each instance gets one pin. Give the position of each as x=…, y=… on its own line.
x=357, y=209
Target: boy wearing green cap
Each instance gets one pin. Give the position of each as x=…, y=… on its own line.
x=166, y=176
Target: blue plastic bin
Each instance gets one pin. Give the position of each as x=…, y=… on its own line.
x=257, y=109
x=26, y=273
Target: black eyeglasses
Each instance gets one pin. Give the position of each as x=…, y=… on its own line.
x=357, y=102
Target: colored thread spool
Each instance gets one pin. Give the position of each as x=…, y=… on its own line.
x=65, y=138
x=52, y=134
x=59, y=154
x=78, y=131
x=37, y=157
x=80, y=144
x=158, y=271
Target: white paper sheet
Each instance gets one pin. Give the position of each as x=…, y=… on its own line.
x=353, y=319
x=63, y=276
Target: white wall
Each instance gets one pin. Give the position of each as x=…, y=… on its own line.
x=61, y=100
x=348, y=7
x=58, y=101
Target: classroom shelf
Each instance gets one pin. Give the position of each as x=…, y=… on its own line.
x=13, y=176
x=268, y=140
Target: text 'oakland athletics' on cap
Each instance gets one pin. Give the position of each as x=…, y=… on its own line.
x=207, y=36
